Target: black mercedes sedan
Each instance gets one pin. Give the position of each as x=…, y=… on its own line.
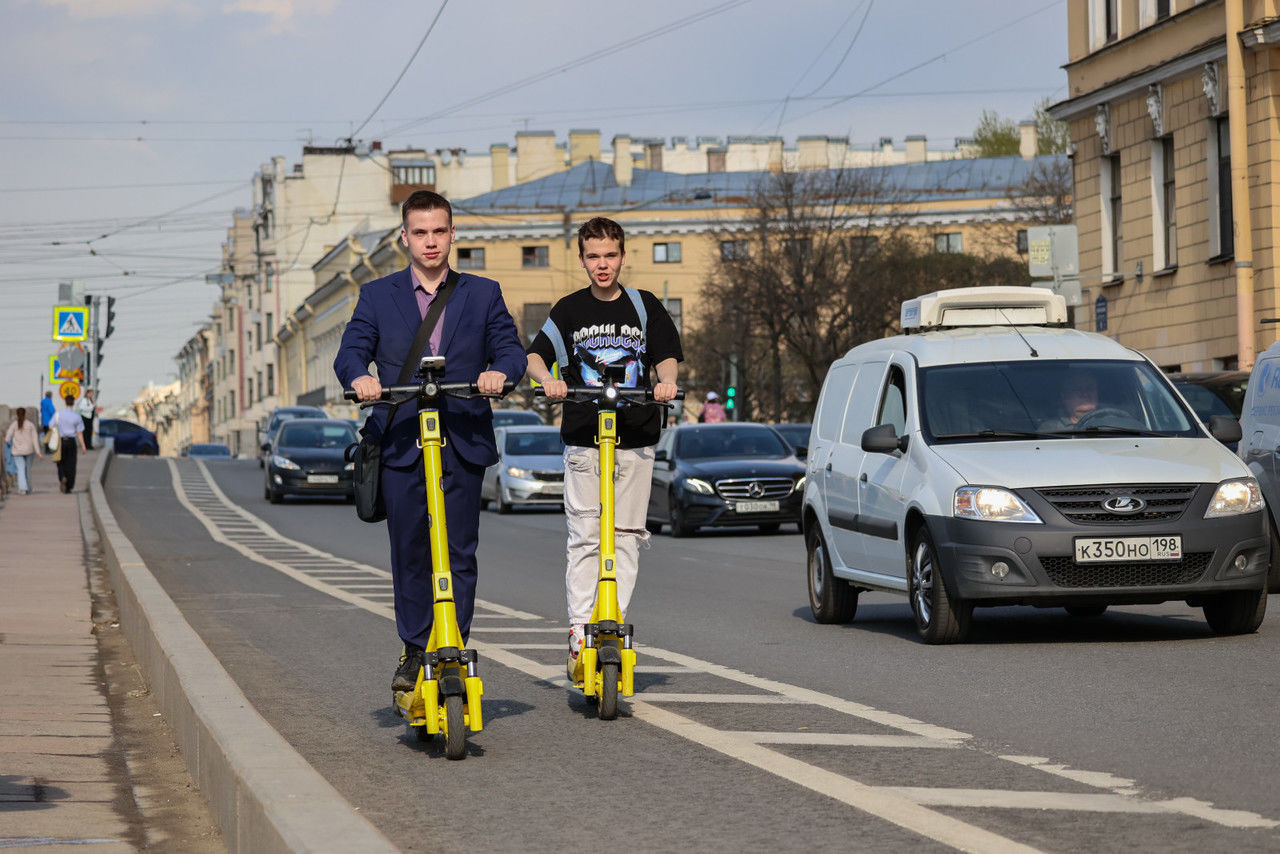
x=713, y=475
x=305, y=457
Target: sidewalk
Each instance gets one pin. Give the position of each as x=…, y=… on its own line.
x=57, y=783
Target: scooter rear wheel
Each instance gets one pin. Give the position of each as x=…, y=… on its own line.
x=455, y=740
x=608, y=692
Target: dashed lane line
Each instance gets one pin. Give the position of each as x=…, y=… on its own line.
x=904, y=806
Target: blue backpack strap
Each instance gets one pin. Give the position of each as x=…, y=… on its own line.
x=557, y=342
x=638, y=301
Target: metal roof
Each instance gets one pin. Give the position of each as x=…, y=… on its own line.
x=592, y=185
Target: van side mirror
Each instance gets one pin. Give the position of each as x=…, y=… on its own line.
x=883, y=439
x=1225, y=429
x=802, y=453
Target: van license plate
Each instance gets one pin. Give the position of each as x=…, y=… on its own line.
x=756, y=507
x=1112, y=549
x=322, y=478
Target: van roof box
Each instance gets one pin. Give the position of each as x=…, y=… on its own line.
x=997, y=305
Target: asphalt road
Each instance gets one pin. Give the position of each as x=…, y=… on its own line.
x=753, y=727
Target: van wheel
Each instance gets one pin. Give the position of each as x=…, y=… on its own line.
x=1273, y=574
x=940, y=618
x=1238, y=613
x=832, y=600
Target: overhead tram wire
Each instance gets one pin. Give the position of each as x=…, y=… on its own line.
x=782, y=108
x=403, y=71
x=688, y=20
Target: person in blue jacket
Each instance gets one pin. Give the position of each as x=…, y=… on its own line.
x=478, y=339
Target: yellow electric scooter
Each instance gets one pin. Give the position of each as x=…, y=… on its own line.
x=446, y=698
x=607, y=664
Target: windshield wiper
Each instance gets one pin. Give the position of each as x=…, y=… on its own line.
x=1002, y=434
x=1114, y=431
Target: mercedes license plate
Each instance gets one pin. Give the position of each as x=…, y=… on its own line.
x=1111, y=549
x=322, y=478
x=756, y=507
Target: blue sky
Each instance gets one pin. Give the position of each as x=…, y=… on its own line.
x=145, y=120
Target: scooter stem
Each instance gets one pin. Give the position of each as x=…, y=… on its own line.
x=606, y=607
x=444, y=624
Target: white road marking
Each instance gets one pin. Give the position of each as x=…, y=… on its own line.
x=904, y=806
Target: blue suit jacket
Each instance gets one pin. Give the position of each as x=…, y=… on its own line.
x=477, y=335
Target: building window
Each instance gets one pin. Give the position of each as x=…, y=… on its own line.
x=733, y=250
x=1226, y=234
x=1164, y=225
x=863, y=246
x=257, y=332
x=666, y=253
x=271, y=380
x=1162, y=9
x=797, y=248
x=676, y=310
x=1111, y=216
x=950, y=241
x=271, y=327
x=534, y=256
x=231, y=396
x=261, y=393
x=270, y=279
x=532, y=316
x=1111, y=16
x=1022, y=241
x=248, y=394
x=421, y=174
x=470, y=259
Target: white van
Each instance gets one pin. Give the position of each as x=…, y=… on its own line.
x=1260, y=444
x=992, y=456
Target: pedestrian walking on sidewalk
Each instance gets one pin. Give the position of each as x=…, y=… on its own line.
x=70, y=429
x=26, y=444
x=87, y=407
x=47, y=411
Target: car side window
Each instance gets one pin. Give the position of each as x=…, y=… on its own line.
x=835, y=398
x=893, y=401
x=862, y=403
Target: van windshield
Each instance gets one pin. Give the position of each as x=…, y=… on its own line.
x=1049, y=398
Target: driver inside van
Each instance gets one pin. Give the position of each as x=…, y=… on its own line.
x=1079, y=399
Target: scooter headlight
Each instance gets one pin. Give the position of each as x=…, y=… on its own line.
x=991, y=504
x=694, y=484
x=1234, y=497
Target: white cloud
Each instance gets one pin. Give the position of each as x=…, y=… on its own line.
x=282, y=13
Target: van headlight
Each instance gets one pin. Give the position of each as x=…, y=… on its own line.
x=698, y=485
x=1233, y=497
x=991, y=504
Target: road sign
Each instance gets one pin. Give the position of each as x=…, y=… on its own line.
x=70, y=388
x=71, y=357
x=70, y=322
x=60, y=373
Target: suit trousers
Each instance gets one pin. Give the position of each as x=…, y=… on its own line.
x=405, y=493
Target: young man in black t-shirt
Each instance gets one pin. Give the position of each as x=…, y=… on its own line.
x=601, y=327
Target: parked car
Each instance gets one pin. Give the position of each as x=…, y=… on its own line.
x=712, y=475
x=530, y=468
x=128, y=438
x=306, y=457
x=509, y=417
x=1213, y=393
x=278, y=416
x=208, y=451
x=797, y=436
x=1260, y=445
x=991, y=457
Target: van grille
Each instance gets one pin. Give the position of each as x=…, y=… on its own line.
x=754, y=488
x=1065, y=572
x=1083, y=504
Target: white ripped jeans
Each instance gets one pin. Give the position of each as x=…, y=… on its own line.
x=632, y=478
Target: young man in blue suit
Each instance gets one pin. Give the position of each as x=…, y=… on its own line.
x=478, y=339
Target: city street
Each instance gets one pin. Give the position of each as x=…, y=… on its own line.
x=752, y=726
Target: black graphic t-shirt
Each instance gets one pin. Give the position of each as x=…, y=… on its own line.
x=601, y=334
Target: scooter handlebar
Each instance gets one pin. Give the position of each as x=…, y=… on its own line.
x=587, y=393
x=460, y=390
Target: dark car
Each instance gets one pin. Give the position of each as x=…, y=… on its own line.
x=1214, y=393
x=306, y=457
x=509, y=417
x=281, y=414
x=129, y=438
x=709, y=475
x=797, y=436
x=209, y=451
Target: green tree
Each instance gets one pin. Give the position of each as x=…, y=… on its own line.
x=995, y=136
x=1052, y=136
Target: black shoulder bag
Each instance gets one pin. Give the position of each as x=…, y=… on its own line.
x=367, y=453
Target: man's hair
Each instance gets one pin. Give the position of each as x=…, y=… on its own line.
x=70, y=400
x=600, y=228
x=425, y=200
x=48, y=394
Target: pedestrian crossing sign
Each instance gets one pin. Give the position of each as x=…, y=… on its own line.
x=70, y=323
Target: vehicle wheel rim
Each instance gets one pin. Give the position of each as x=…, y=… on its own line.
x=817, y=563
x=922, y=582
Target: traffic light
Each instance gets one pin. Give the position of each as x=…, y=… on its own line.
x=730, y=397
x=111, y=317
x=97, y=352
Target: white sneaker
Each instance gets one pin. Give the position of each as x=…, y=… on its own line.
x=573, y=667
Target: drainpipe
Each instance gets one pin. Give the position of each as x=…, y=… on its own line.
x=1238, y=125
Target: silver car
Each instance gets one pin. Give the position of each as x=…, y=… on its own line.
x=530, y=468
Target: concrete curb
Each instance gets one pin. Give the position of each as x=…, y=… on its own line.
x=262, y=793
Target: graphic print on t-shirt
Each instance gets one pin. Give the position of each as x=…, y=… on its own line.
x=603, y=345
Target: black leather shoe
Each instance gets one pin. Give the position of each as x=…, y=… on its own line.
x=407, y=673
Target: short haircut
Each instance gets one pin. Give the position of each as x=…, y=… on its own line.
x=600, y=228
x=425, y=200
x=70, y=400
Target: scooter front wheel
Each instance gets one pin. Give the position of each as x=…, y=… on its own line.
x=608, y=692
x=455, y=740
